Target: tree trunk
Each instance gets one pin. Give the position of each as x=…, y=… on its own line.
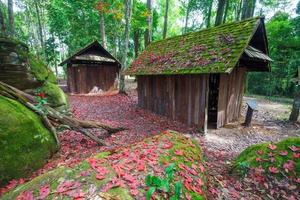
x=148, y=32
x=209, y=13
x=296, y=106
x=220, y=12
x=41, y=37
x=187, y=17
x=102, y=30
x=136, y=42
x=248, y=8
x=11, y=17
x=226, y=11
x=238, y=11
x=166, y=20
x=2, y=23
x=126, y=43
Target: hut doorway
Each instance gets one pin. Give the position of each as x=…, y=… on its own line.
x=213, y=94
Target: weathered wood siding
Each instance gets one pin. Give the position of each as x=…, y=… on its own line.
x=231, y=91
x=179, y=97
x=83, y=78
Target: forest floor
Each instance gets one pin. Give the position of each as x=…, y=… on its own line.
x=220, y=146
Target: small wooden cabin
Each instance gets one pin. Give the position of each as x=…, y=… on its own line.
x=199, y=78
x=91, y=67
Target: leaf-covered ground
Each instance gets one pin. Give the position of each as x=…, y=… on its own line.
x=122, y=172
x=121, y=110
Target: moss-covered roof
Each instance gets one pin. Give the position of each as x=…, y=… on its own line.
x=212, y=50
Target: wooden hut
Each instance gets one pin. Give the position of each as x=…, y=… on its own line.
x=198, y=78
x=91, y=68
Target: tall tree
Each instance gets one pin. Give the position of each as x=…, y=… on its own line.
x=166, y=19
x=38, y=15
x=126, y=43
x=101, y=8
x=220, y=12
x=187, y=14
x=210, y=5
x=148, y=32
x=11, y=17
x=248, y=8
x=2, y=23
x=226, y=11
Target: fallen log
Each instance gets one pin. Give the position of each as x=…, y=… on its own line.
x=51, y=117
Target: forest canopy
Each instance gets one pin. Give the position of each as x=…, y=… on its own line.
x=55, y=29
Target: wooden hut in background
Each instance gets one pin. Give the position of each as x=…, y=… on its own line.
x=198, y=78
x=90, y=68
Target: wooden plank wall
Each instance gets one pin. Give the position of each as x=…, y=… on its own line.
x=83, y=78
x=231, y=91
x=179, y=97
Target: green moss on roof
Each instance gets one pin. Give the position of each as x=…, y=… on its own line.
x=212, y=50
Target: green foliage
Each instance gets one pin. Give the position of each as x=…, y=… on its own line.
x=284, y=46
x=165, y=184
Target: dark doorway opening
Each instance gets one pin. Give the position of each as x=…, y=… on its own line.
x=213, y=95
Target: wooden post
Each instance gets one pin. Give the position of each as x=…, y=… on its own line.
x=252, y=105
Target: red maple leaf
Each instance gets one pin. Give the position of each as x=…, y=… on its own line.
x=26, y=195
x=260, y=152
x=283, y=153
x=294, y=148
x=296, y=155
x=178, y=153
x=289, y=165
x=44, y=191
x=273, y=170
x=258, y=159
x=272, y=146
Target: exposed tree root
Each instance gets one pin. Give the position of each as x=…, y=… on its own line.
x=52, y=118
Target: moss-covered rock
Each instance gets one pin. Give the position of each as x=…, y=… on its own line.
x=55, y=96
x=121, y=172
x=25, y=142
x=277, y=159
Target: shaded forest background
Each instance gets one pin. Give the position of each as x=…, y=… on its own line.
x=54, y=29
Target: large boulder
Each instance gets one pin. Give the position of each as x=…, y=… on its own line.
x=25, y=142
x=280, y=159
x=56, y=98
x=127, y=173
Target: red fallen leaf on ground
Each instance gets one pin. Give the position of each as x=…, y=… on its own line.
x=273, y=170
x=44, y=191
x=294, y=148
x=100, y=176
x=129, y=178
x=200, y=182
x=258, y=159
x=213, y=191
x=188, y=196
x=283, y=153
x=272, y=146
x=178, y=153
x=201, y=167
x=296, y=155
x=289, y=165
x=197, y=190
x=187, y=185
x=26, y=195
x=167, y=145
x=134, y=192
x=260, y=152
x=66, y=187
x=141, y=166
x=234, y=194
x=271, y=154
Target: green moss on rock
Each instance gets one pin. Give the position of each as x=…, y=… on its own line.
x=40, y=71
x=55, y=96
x=164, y=147
x=261, y=154
x=25, y=142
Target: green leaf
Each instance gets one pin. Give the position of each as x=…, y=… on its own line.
x=156, y=181
x=150, y=192
x=165, y=185
x=148, y=180
x=170, y=171
x=178, y=188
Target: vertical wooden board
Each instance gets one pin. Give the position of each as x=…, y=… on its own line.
x=222, y=100
x=197, y=99
x=203, y=100
x=189, y=100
